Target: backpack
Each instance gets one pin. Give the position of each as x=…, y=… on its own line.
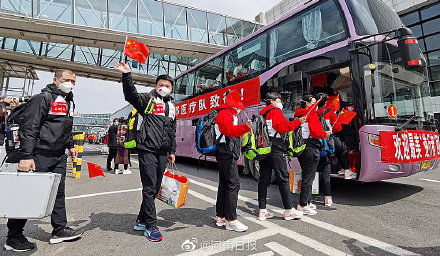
x=295, y=142
x=256, y=144
x=130, y=136
x=327, y=144
x=205, y=137
x=12, y=141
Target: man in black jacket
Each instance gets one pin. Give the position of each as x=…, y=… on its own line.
x=156, y=142
x=112, y=133
x=45, y=134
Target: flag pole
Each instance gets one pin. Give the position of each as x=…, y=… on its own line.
x=125, y=44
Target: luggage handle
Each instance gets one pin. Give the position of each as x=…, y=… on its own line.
x=20, y=171
x=173, y=167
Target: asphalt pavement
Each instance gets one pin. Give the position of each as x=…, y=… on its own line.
x=395, y=217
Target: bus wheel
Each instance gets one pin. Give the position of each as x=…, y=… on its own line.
x=253, y=167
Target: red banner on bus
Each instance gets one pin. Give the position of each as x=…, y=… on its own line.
x=203, y=104
x=409, y=146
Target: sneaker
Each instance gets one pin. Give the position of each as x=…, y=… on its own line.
x=236, y=225
x=117, y=171
x=349, y=175
x=292, y=214
x=328, y=201
x=138, y=226
x=109, y=169
x=65, y=234
x=341, y=172
x=263, y=214
x=18, y=244
x=308, y=211
x=126, y=172
x=220, y=222
x=153, y=234
x=312, y=206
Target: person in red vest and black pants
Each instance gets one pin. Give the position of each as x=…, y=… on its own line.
x=227, y=154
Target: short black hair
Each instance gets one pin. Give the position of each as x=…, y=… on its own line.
x=116, y=119
x=165, y=77
x=272, y=96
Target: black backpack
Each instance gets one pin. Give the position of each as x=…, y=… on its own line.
x=12, y=141
x=295, y=142
x=205, y=136
x=256, y=144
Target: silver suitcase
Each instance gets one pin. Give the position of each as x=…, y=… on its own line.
x=27, y=195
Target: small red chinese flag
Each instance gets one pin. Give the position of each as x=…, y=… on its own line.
x=333, y=103
x=94, y=170
x=346, y=116
x=136, y=50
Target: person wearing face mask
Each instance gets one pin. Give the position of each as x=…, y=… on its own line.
x=277, y=124
x=112, y=134
x=155, y=143
x=227, y=154
x=45, y=134
x=312, y=132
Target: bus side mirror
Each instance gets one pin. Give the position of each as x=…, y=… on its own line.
x=409, y=49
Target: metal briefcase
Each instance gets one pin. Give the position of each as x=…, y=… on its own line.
x=28, y=195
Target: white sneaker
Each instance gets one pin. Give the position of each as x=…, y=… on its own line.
x=341, y=172
x=328, y=201
x=349, y=175
x=117, y=171
x=292, y=214
x=220, y=222
x=236, y=226
x=126, y=172
x=312, y=206
x=263, y=214
x=308, y=211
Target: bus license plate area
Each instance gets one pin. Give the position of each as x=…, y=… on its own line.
x=425, y=165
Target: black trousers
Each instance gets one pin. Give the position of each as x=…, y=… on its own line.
x=341, y=153
x=55, y=164
x=276, y=162
x=111, y=156
x=228, y=187
x=151, y=167
x=324, y=169
x=308, y=161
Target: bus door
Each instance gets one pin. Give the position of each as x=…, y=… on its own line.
x=292, y=86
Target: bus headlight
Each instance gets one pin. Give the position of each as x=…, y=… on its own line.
x=374, y=140
x=394, y=168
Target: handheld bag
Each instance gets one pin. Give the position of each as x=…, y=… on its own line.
x=295, y=182
x=174, y=188
x=27, y=195
x=205, y=136
x=256, y=144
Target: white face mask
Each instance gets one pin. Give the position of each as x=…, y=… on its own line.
x=279, y=105
x=65, y=87
x=163, y=91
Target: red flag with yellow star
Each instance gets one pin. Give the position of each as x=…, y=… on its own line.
x=94, y=170
x=136, y=50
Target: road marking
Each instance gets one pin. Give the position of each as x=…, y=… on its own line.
x=268, y=253
x=269, y=231
x=104, y=193
x=437, y=181
x=341, y=231
x=281, y=249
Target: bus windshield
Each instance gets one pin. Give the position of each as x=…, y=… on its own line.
x=387, y=82
x=372, y=17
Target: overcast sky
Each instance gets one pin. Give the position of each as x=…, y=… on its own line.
x=96, y=96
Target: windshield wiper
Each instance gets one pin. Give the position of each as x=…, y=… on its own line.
x=402, y=126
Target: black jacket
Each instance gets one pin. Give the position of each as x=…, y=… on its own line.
x=157, y=132
x=46, y=123
x=112, y=133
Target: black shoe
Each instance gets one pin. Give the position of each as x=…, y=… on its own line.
x=65, y=234
x=18, y=244
x=109, y=169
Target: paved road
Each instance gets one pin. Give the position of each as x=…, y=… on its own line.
x=383, y=218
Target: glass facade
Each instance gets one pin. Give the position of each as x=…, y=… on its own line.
x=148, y=17
x=425, y=24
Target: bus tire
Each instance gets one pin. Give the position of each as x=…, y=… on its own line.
x=253, y=168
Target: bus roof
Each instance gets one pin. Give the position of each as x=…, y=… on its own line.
x=258, y=32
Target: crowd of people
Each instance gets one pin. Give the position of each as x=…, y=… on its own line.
x=44, y=138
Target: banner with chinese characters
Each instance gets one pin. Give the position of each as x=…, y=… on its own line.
x=203, y=104
x=409, y=146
